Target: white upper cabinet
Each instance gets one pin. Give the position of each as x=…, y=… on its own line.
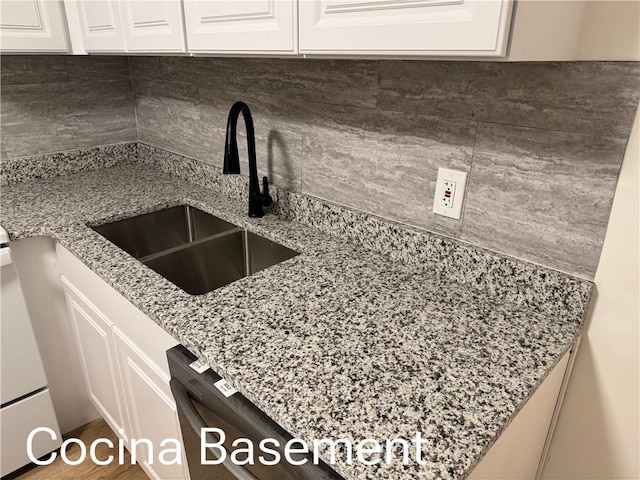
x=153, y=26
x=534, y=30
x=405, y=27
x=131, y=26
x=242, y=27
x=32, y=26
x=101, y=26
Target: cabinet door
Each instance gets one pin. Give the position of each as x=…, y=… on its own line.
x=97, y=357
x=150, y=408
x=401, y=27
x=32, y=26
x=153, y=26
x=101, y=26
x=256, y=26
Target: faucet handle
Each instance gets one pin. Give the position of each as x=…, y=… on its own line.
x=265, y=192
x=258, y=199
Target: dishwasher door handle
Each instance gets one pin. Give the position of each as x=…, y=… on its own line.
x=196, y=423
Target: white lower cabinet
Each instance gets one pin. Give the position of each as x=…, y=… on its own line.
x=122, y=356
x=93, y=335
x=151, y=411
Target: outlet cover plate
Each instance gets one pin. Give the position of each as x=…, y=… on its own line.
x=449, y=195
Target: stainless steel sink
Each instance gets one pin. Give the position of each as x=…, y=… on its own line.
x=196, y=251
x=158, y=231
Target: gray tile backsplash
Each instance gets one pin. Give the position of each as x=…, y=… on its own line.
x=585, y=97
x=17, y=70
x=169, y=117
x=542, y=142
x=56, y=103
x=389, y=173
x=545, y=198
x=335, y=82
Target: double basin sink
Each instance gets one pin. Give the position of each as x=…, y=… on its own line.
x=196, y=251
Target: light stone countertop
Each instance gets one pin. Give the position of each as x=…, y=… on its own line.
x=338, y=342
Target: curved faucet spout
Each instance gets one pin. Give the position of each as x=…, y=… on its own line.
x=231, y=164
x=231, y=159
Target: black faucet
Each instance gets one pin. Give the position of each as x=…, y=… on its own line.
x=257, y=200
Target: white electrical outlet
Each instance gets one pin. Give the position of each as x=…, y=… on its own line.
x=449, y=195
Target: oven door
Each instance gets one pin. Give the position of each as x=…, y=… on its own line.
x=237, y=418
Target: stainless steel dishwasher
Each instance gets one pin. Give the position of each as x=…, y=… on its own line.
x=201, y=404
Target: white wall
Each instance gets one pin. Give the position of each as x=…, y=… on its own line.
x=610, y=31
x=568, y=30
x=597, y=435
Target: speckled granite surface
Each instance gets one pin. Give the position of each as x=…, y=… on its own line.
x=494, y=274
x=13, y=170
x=547, y=290
x=341, y=341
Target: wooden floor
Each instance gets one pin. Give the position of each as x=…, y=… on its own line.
x=87, y=470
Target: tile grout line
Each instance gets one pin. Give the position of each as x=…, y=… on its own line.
x=469, y=179
x=133, y=94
